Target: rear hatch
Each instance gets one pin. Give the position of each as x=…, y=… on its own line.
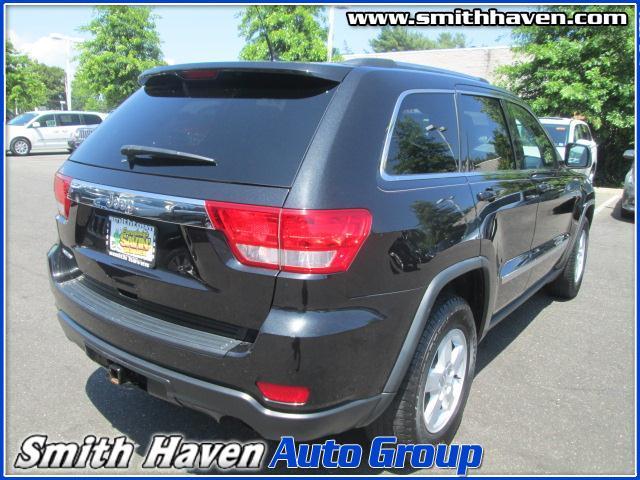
x=138, y=225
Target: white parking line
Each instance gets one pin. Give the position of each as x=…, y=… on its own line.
x=613, y=199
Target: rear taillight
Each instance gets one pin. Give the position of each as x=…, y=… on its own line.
x=61, y=184
x=305, y=241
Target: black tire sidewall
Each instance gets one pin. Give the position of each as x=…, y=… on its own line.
x=459, y=318
x=572, y=286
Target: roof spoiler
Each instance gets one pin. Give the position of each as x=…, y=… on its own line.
x=325, y=71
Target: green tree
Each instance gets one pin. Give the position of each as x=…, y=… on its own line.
x=449, y=40
x=588, y=71
x=53, y=78
x=401, y=39
x=25, y=88
x=84, y=98
x=288, y=33
x=124, y=43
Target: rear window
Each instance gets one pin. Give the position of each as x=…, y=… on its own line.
x=256, y=126
x=89, y=119
x=558, y=133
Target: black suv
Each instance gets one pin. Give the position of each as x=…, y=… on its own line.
x=312, y=247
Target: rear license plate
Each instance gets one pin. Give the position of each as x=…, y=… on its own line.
x=132, y=241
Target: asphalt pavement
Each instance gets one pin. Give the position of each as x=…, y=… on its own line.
x=554, y=390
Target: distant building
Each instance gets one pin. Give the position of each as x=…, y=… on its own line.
x=476, y=61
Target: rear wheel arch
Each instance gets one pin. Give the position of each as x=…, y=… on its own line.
x=473, y=287
x=589, y=213
x=459, y=278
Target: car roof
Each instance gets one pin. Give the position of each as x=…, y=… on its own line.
x=43, y=112
x=330, y=71
x=560, y=120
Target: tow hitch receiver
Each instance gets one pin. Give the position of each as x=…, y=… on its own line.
x=119, y=375
x=116, y=374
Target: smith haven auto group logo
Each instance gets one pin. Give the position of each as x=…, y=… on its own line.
x=173, y=452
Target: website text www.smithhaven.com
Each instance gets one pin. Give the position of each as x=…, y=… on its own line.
x=476, y=17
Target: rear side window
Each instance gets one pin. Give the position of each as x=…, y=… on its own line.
x=582, y=132
x=425, y=136
x=68, y=119
x=47, y=121
x=485, y=134
x=255, y=125
x=89, y=119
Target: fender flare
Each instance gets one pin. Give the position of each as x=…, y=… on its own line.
x=419, y=321
x=583, y=215
x=424, y=309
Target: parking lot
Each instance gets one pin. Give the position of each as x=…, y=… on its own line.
x=554, y=388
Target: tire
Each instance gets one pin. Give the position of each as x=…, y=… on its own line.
x=406, y=416
x=626, y=214
x=20, y=146
x=568, y=283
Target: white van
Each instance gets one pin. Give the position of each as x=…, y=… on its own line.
x=46, y=131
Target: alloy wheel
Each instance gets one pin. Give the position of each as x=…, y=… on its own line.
x=445, y=381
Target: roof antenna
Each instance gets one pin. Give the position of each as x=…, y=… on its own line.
x=266, y=33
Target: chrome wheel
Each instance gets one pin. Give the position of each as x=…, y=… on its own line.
x=581, y=257
x=21, y=147
x=445, y=380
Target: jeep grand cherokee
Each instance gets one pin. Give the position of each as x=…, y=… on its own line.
x=312, y=247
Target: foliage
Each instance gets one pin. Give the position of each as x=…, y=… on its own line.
x=83, y=98
x=581, y=71
x=124, y=43
x=25, y=88
x=400, y=39
x=53, y=78
x=421, y=151
x=449, y=40
x=288, y=33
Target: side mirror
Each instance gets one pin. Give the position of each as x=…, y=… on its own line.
x=577, y=156
x=629, y=155
x=35, y=125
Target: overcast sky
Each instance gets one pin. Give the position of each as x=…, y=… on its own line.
x=196, y=33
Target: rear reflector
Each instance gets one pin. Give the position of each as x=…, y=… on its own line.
x=61, y=184
x=305, y=241
x=284, y=393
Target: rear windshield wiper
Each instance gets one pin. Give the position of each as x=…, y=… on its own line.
x=136, y=151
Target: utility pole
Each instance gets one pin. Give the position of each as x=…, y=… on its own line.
x=331, y=18
x=69, y=41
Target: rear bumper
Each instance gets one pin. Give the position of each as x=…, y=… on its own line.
x=220, y=401
x=332, y=352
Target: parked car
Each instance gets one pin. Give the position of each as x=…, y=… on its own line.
x=46, y=131
x=312, y=247
x=79, y=135
x=566, y=131
x=629, y=193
